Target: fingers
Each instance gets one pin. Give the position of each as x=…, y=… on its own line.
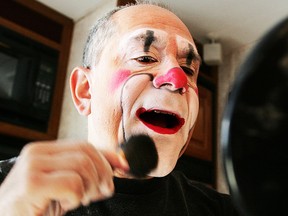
x=68, y=188
x=117, y=161
x=71, y=174
x=94, y=181
x=52, y=147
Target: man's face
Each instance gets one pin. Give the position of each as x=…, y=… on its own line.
x=145, y=83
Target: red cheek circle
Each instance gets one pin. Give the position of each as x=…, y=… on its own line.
x=120, y=77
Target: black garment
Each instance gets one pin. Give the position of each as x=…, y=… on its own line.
x=5, y=167
x=172, y=195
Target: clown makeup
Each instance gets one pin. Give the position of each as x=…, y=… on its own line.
x=190, y=60
x=142, y=46
x=144, y=82
x=145, y=49
x=165, y=117
x=155, y=68
x=148, y=40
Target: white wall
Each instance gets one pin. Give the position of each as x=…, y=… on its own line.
x=72, y=125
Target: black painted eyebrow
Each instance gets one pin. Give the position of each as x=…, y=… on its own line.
x=192, y=55
x=149, y=38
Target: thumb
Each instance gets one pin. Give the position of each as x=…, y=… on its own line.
x=116, y=160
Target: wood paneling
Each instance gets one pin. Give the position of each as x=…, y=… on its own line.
x=201, y=145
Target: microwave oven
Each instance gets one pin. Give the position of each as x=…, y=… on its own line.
x=27, y=73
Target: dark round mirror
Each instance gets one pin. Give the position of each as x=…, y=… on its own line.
x=254, y=130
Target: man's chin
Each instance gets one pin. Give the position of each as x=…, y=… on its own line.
x=161, y=172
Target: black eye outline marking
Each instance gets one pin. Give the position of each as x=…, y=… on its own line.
x=148, y=40
x=190, y=54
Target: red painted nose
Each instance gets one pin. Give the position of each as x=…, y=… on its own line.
x=174, y=79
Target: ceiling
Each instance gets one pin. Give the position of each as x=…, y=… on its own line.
x=233, y=23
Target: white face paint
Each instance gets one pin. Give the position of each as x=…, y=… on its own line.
x=147, y=85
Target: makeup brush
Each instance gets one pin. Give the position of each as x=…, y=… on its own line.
x=141, y=154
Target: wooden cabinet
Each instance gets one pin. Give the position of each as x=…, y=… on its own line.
x=39, y=23
x=200, y=145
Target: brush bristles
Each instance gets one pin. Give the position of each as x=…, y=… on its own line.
x=141, y=154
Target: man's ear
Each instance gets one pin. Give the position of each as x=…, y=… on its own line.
x=80, y=90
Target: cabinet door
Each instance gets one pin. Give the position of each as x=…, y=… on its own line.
x=201, y=146
x=50, y=29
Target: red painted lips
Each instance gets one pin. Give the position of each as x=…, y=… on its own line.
x=160, y=121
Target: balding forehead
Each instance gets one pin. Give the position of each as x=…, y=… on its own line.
x=149, y=15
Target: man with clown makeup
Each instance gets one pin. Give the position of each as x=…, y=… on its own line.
x=139, y=76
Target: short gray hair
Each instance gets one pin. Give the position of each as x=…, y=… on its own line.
x=103, y=30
